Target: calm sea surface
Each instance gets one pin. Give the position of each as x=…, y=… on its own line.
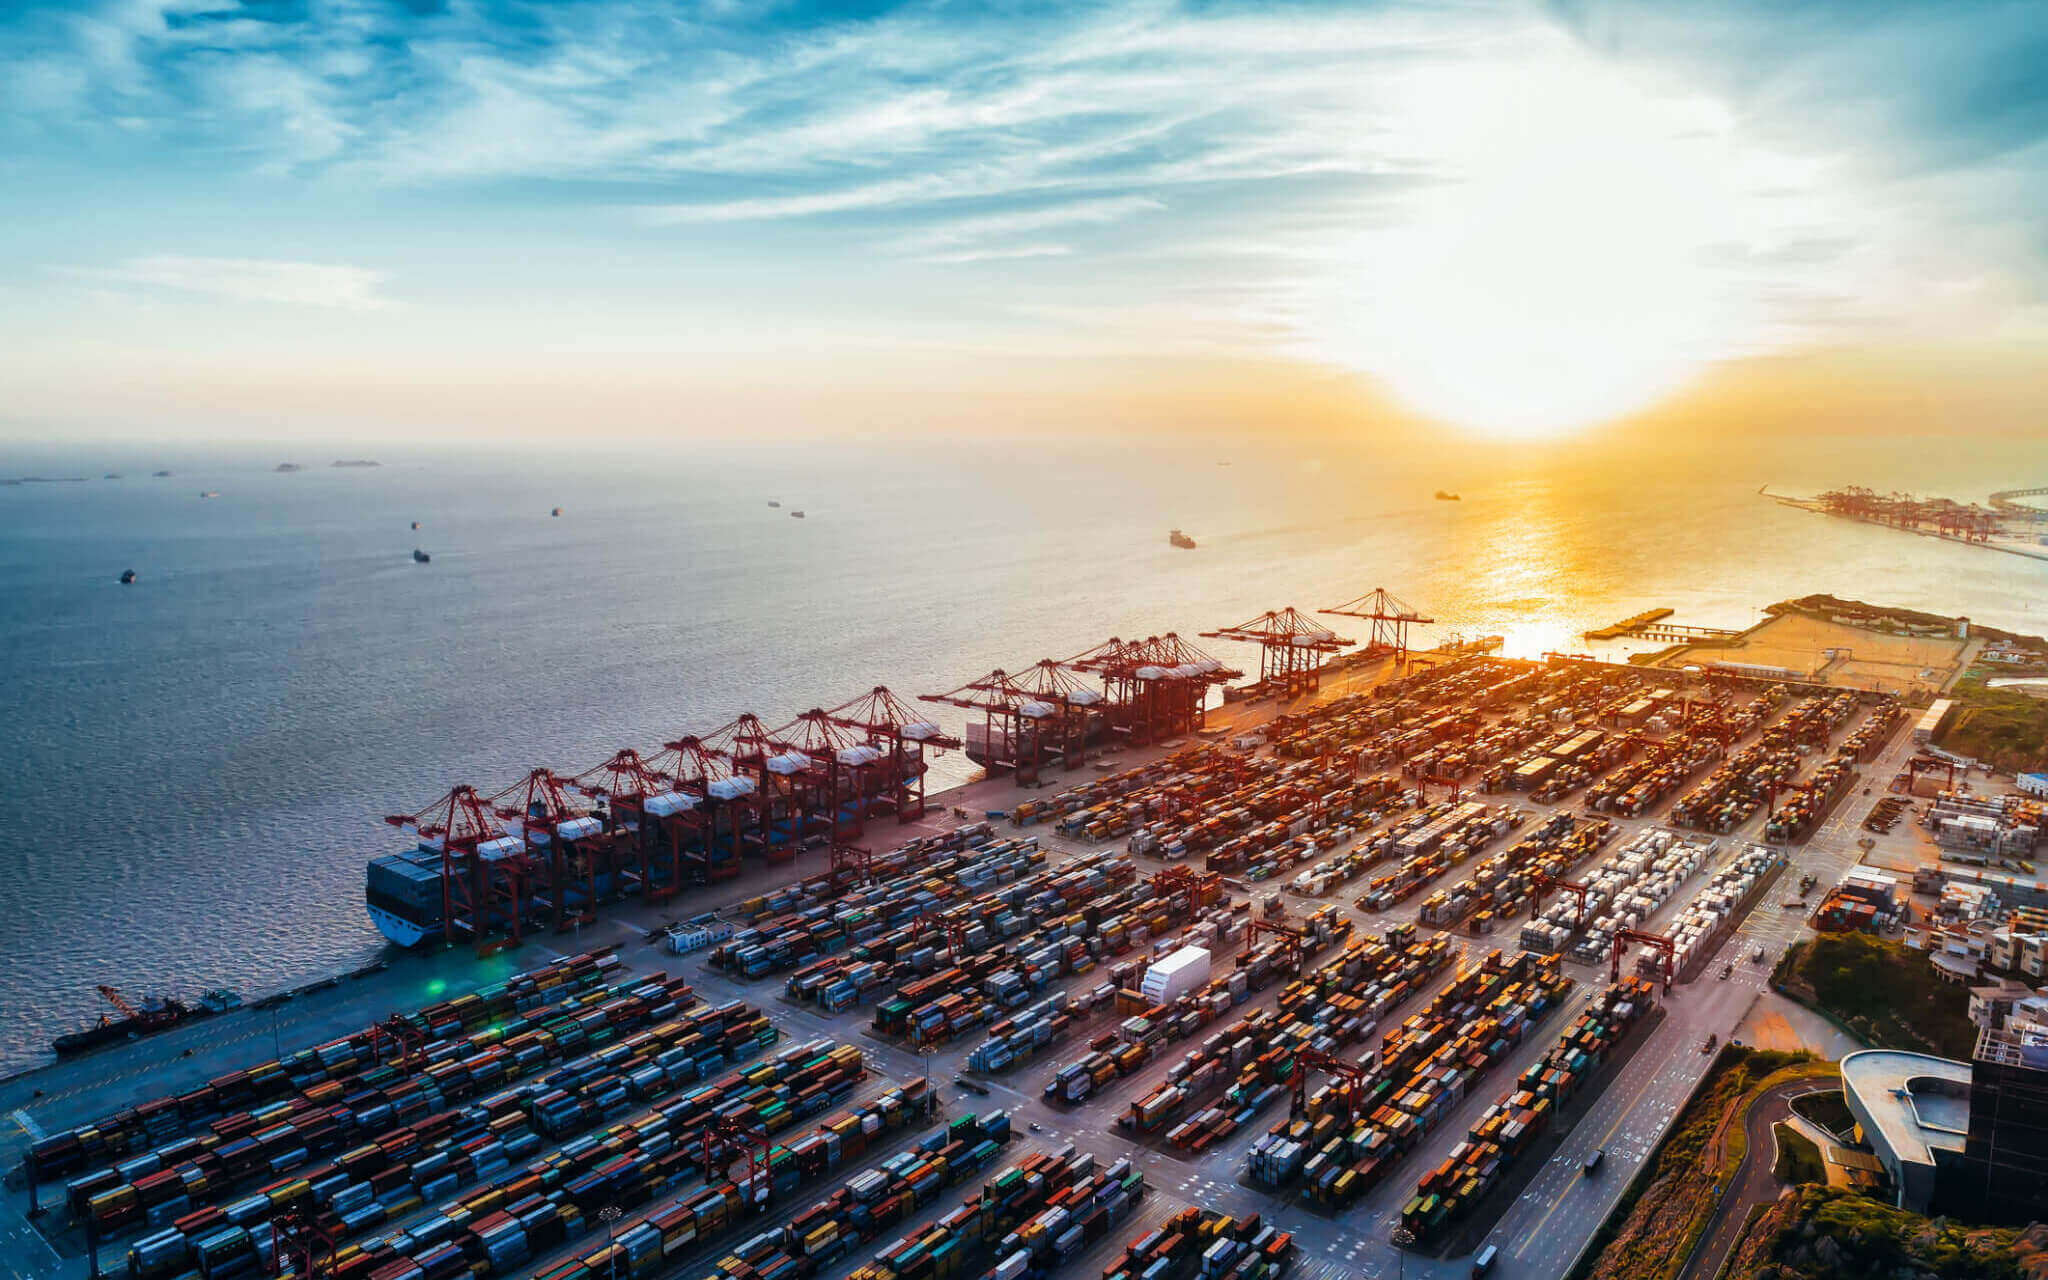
x=198, y=763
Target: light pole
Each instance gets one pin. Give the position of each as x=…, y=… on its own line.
x=609, y=1216
x=1403, y=1238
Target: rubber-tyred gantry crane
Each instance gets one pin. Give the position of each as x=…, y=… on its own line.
x=1540, y=883
x=1353, y=1080
x=903, y=737
x=1655, y=941
x=1292, y=647
x=484, y=872
x=1294, y=943
x=298, y=1246
x=722, y=1142
x=1390, y=616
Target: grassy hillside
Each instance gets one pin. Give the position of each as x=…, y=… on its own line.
x=1670, y=1201
x=2006, y=730
x=1883, y=991
x=1820, y=1233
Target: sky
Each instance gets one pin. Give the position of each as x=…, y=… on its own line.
x=1494, y=219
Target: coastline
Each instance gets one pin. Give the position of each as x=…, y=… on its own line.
x=1807, y=504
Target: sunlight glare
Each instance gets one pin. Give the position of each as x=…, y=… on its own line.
x=1556, y=275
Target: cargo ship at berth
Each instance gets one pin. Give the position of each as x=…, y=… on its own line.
x=552, y=851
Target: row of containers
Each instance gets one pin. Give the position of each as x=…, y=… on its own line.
x=1202, y=1242
x=1432, y=842
x=1726, y=798
x=1505, y=1131
x=1699, y=928
x=1339, y=1004
x=377, y=1188
x=1138, y=1038
x=353, y=1059
x=818, y=919
x=1025, y=1217
x=1638, y=786
x=1356, y=1132
x=1621, y=893
x=1800, y=811
x=1025, y=1033
x=1868, y=740
x=1497, y=885
x=271, y=1147
x=536, y=1227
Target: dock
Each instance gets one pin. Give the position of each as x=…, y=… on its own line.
x=1628, y=626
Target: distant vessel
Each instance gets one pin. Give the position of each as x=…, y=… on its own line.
x=158, y=475
x=113, y=475
x=210, y=493
x=353, y=462
x=127, y=576
x=1442, y=496
x=773, y=503
x=288, y=466
x=796, y=515
x=556, y=512
x=419, y=556
x=1181, y=540
x=415, y=524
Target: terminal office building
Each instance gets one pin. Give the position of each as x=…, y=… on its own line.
x=1966, y=1140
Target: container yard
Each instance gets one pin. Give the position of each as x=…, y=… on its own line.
x=736, y=1075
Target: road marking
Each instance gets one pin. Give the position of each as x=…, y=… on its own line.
x=28, y=1123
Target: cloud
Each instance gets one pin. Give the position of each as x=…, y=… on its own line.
x=306, y=284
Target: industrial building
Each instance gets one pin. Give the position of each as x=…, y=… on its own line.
x=1913, y=1111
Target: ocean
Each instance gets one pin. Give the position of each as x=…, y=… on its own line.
x=202, y=760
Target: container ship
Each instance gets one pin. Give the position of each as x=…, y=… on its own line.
x=551, y=851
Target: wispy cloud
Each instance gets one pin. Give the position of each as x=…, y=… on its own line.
x=306, y=284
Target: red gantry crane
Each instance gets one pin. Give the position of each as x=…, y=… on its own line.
x=585, y=861
x=1352, y=1080
x=903, y=737
x=484, y=872
x=789, y=791
x=724, y=801
x=849, y=769
x=645, y=808
x=1390, y=616
x=1010, y=719
x=1292, y=647
x=1655, y=941
x=1540, y=883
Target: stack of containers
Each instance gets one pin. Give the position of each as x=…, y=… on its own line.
x=1037, y=1213
x=283, y=1135
x=1732, y=792
x=1704, y=921
x=394, y=1175
x=1203, y=1242
x=159, y=1121
x=1871, y=736
x=863, y=1208
x=1504, y=1131
x=1800, y=812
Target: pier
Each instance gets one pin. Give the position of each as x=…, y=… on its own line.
x=1628, y=626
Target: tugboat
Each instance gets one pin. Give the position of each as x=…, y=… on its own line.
x=1181, y=540
x=1442, y=496
x=420, y=557
x=127, y=577
x=415, y=524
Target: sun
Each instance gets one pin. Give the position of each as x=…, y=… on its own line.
x=1556, y=268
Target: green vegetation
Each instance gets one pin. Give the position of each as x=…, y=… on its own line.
x=1671, y=1201
x=2002, y=727
x=1884, y=992
x=1828, y=1109
x=1821, y=1233
x=1798, y=1159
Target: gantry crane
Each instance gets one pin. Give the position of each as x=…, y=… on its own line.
x=664, y=821
x=1355, y=1080
x=903, y=737
x=580, y=861
x=1292, y=647
x=1538, y=883
x=1655, y=941
x=1011, y=716
x=483, y=870
x=1390, y=617
x=726, y=801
